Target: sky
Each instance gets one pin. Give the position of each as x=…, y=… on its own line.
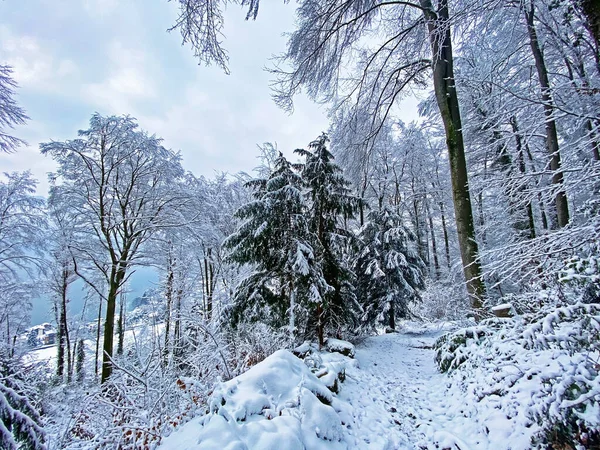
x=74, y=58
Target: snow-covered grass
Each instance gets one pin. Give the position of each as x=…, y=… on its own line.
x=531, y=380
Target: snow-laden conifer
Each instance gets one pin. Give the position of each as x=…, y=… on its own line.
x=388, y=268
x=287, y=283
x=20, y=421
x=330, y=205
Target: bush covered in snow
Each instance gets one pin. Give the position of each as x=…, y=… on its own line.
x=277, y=401
x=541, y=371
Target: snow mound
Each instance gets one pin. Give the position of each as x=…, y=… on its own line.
x=338, y=346
x=277, y=402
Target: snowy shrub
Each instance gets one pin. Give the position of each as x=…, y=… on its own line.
x=251, y=343
x=330, y=363
x=441, y=300
x=583, y=272
x=276, y=403
x=20, y=422
x=540, y=370
x=148, y=395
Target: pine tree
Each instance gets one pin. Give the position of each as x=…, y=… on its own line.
x=287, y=282
x=330, y=205
x=389, y=269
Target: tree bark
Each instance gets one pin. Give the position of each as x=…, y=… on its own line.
x=591, y=10
x=121, y=324
x=63, y=330
x=98, y=337
x=560, y=199
x=169, y=299
x=438, y=24
x=522, y=171
x=445, y=230
x=116, y=281
x=436, y=261
x=392, y=322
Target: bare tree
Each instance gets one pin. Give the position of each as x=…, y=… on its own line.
x=117, y=183
x=11, y=113
x=21, y=230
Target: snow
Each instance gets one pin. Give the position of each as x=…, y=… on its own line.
x=339, y=346
x=502, y=307
x=278, y=400
x=392, y=397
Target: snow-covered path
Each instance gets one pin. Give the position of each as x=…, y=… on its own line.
x=399, y=400
x=393, y=398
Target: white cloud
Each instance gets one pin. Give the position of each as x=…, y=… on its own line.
x=35, y=66
x=128, y=80
x=100, y=7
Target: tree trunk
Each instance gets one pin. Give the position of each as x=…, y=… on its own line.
x=522, y=171
x=177, y=350
x=116, y=280
x=591, y=9
x=169, y=299
x=320, y=333
x=447, y=99
x=593, y=140
x=392, y=322
x=436, y=261
x=121, y=324
x=63, y=330
x=445, y=230
x=292, y=318
x=560, y=199
x=98, y=337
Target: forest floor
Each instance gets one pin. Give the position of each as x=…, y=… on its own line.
x=399, y=400
x=393, y=397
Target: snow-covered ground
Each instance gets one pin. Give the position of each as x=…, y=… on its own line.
x=392, y=398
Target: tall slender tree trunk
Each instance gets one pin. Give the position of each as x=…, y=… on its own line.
x=560, y=199
x=177, y=350
x=121, y=324
x=438, y=24
x=392, y=321
x=98, y=337
x=445, y=231
x=522, y=171
x=169, y=299
x=436, y=261
x=63, y=330
x=116, y=281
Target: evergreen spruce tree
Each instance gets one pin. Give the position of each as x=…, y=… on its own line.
x=287, y=283
x=388, y=268
x=330, y=205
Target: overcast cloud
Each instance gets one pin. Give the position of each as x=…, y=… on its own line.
x=72, y=58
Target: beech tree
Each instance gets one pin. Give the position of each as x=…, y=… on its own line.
x=117, y=182
x=60, y=275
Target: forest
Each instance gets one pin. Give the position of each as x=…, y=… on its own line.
x=432, y=284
